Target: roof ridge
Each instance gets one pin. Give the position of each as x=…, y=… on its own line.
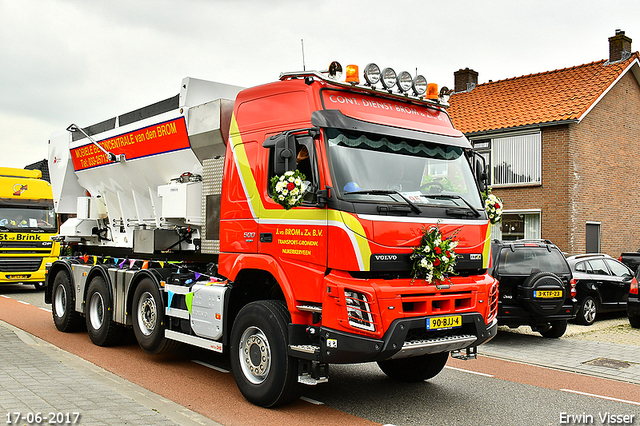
x=589, y=64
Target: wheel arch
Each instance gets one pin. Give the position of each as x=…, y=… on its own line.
x=98, y=271
x=254, y=277
x=153, y=275
x=57, y=266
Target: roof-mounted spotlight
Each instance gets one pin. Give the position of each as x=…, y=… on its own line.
x=372, y=74
x=405, y=81
x=419, y=85
x=335, y=70
x=388, y=78
x=445, y=94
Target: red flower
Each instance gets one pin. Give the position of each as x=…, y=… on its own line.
x=438, y=250
x=290, y=186
x=436, y=262
x=497, y=205
x=447, y=253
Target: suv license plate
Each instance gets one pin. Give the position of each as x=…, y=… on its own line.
x=440, y=323
x=547, y=294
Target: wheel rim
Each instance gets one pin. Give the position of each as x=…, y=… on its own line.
x=96, y=311
x=60, y=301
x=589, y=310
x=255, y=355
x=147, y=313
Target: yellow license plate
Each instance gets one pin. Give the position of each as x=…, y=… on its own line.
x=547, y=294
x=439, y=323
x=18, y=277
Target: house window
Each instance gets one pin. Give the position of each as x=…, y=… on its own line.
x=516, y=159
x=517, y=226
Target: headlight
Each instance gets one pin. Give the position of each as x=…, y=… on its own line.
x=358, y=310
x=419, y=85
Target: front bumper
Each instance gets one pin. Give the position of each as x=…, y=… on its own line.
x=633, y=306
x=406, y=337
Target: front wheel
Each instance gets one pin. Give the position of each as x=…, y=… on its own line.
x=556, y=329
x=264, y=372
x=103, y=330
x=416, y=368
x=587, y=312
x=148, y=319
x=63, y=308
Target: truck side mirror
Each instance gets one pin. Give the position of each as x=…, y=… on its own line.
x=284, y=159
x=481, y=174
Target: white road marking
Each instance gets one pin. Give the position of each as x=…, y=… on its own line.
x=601, y=396
x=469, y=371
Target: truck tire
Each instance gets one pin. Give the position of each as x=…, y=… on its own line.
x=587, y=312
x=556, y=329
x=264, y=372
x=414, y=369
x=541, y=281
x=63, y=304
x=148, y=319
x=102, y=329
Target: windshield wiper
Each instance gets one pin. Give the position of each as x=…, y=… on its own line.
x=388, y=192
x=475, y=211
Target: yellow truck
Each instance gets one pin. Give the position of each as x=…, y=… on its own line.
x=27, y=224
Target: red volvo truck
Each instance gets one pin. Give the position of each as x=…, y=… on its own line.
x=182, y=232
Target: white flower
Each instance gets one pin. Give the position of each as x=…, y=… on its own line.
x=285, y=191
x=289, y=173
x=453, y=244
x=298, y=181
x=280, y=197
x=294, y=191
x=424, y=263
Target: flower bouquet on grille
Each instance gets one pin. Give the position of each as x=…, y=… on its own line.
x=435, y=257
x=493, y=205
x=288, y=189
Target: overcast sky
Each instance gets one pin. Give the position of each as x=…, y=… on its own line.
x=64, y=61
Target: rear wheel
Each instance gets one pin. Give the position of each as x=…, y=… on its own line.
x=587, y=312
x=264, y=372
x=556, y=329
x=103, y=330
x=148, y=319
x=63, y=303
x=414, y=369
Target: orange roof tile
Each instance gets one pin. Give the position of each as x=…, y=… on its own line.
x=559, y=95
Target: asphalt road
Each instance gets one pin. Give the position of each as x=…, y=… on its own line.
x=485, y=391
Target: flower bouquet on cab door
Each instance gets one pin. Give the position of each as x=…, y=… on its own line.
x=493, y=205
x=288, y=189
x=435, y=258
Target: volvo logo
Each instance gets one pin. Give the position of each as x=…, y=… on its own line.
x=383, y=257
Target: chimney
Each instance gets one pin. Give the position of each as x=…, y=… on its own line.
x=465, y=80
x=619, y=46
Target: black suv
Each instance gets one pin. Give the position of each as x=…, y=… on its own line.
x=536, y=286
x=602, y=283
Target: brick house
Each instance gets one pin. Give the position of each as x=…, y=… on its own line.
x=562, y=150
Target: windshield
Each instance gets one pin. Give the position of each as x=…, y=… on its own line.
x=20, y=219
x=373, y=167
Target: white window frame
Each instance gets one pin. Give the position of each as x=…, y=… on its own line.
x=518, y=150
x=530, y=231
